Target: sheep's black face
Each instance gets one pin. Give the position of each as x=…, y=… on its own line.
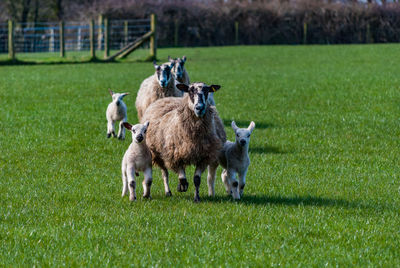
x=198, y=95
x=179, y=67
x=164, y=73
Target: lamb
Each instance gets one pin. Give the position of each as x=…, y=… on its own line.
x=137, y=158
x=182, y=132
x=159, y=85
x=234, y=159
x=182, y=76
x=116, y=111
x=179, y=70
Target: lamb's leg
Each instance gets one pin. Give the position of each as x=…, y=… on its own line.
x=121, y=131
x=242, y=181
x=212, y=172
x=131, y=182
x=148, y=180
x=164, y=173
x=110, y=128
x=124, y=180
x=233, y=183
x=183, y=184
x=197, y=181
x=224, y=177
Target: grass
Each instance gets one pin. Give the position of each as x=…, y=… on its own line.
x=322, y=187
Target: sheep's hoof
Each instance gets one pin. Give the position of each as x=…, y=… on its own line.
x=168, y=194
x=137, y=174
x=132, y=198
x=183, y=185
x=108, y=135
x=197, y=199
x=147, y=196
x=113, y=134
x=121, y=138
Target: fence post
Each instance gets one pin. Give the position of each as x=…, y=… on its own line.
x=11, y=51
x=305, y=33
x=100, y=33
x=153, y=38
x=126, y=31
x=236, y=32
x=62, y=40
x=106, y=39
x=92, y=44
x=176, y=32
x=368, y=37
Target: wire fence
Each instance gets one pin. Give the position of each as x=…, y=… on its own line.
x=46, y=37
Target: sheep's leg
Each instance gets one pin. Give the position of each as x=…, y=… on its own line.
x=124, y=181
x=197, y=181
x=234, y=185
x=212, y=172
x=224, y=176
x=165, y=175
x=131, y=182
x=242, y=181
x=148, y=180
x=121, y=130
x=183, y=184
x=110, y=128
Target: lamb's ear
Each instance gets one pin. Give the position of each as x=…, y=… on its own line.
x=234, y=126
x=183, y=87
x=172, y=64
x=214, y=88
x=170, y=59
x=157, y=67
x=111, y=92
x=184, y=58
x=127, y=125
x=146, y=125
x=251, y=126
x=124, y=94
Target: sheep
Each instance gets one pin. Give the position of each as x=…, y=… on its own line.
x=179, y=70
x=181, y=75
x=137, y=158
x=234, y=159
x=116, y=111
x=183, y=132
x=159, y=85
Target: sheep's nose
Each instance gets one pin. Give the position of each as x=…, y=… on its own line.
x=199, y=107
x=139, y=137
x=242, y=142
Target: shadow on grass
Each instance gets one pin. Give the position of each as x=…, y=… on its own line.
x=290, y=201
x=245, y=124
x=266, y=150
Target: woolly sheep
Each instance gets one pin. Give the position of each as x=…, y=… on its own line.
x=234, y=159
x=137, y=158
x=183, y=132
x=116, y=111
x=160, y=85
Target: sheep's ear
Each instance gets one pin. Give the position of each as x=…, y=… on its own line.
x=184, y=58
x=234, y=126
x=111, y=92
x=157, y=67
x=127, y=125
x=170, y=59
x=251, y=126
x=214, y=88
x=183, y=87
x=124, y=94
x=146, y=124
x=172, y=64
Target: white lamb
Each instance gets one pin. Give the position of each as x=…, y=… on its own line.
x=116, y=111
x=234, y=159
x=137, y=158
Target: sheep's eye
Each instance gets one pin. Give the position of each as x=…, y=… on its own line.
x=133, y=131
x=248, y=136
x=237, y=135
x=145, y=131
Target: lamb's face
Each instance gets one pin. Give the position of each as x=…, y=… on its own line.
x=198, y=96
x=163, y=73
x=138, y=131
x=242, y=135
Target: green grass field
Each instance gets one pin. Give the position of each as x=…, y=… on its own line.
x=322, y=188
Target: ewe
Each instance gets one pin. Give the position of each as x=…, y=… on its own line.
x=184, y=131
x=137, y=158
x=160, y=85
x=116, y=111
